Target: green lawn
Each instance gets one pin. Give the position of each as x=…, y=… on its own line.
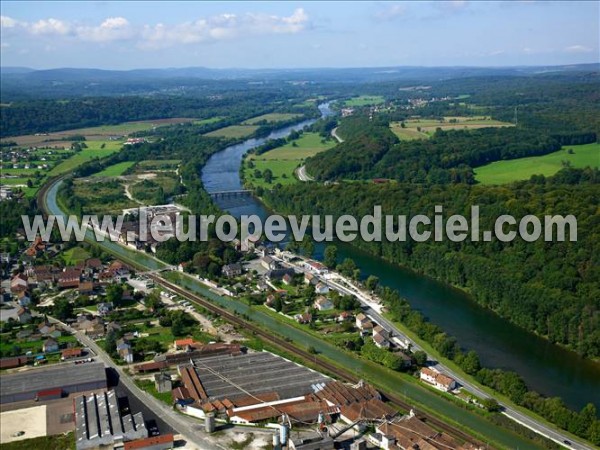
x=115, y=170
x=271, y=117
x=365, y=100
x=500, y=172
x=94, y=150
x=233, y=131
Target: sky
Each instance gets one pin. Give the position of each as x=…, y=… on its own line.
x=287, y=34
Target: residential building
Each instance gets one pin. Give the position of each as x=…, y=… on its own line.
x=23, y=315
x=321, y=288
x=380, y=341
x=379, y=330
x=50, y=346
x=232, y=270
x=437, y=379
x=323, y=304
x=18, y=282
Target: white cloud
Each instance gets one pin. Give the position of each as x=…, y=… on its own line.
x=222, y=27
x=578, y=49
x=49, y=27
x=215, y=28
x=8, y=22
x=112, y=29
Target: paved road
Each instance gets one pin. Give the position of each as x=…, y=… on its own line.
x=181, y=424
x=335, y=135
x=302, y=175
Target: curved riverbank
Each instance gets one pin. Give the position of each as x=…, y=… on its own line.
x=547, y=368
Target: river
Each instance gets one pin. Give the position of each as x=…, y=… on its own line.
x=545, y=367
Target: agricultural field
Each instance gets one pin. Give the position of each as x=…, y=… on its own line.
x=284, y=160
x=233, y=131
x=100, y=133
x=270, y=118
x=115, y=170
x=95, y=149
x=365, y=100
x=425, y=128
x=208, y=121
x=501, y=172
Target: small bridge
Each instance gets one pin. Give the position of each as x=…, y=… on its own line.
x=230, y=194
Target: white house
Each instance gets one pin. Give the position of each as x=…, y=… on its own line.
x=439, y=380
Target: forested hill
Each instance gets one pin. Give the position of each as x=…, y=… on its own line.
x=552, y=289
x=371, y=150
x=549, y=112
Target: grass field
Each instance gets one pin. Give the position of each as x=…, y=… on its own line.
x=75, y=255
x=271, y=117
x=207, y=121
x=425, y=128
x=94, y=150
x=283, y=172
x=500, y=172
x=115, y=170
x=284, y=160
x=233, y=131
x=365, y=100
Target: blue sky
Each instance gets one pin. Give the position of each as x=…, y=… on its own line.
x=127, y=35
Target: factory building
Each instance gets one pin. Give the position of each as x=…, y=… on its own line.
x=60, y=380
x=98, y=422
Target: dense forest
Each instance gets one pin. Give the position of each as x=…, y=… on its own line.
x=41, y=116
x=552, y=289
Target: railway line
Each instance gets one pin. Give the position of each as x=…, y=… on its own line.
x=305, y=355
x=325, y=365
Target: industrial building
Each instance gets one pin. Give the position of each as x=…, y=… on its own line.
x=98, y=422
x=61, y=380
x=257, y=374
x=262, y=386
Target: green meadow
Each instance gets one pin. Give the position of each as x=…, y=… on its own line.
x=233, y=131
x=501, y=172
x=284, y=160
x=115, y=170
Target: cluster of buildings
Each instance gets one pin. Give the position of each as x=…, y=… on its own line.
x=147, y=222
